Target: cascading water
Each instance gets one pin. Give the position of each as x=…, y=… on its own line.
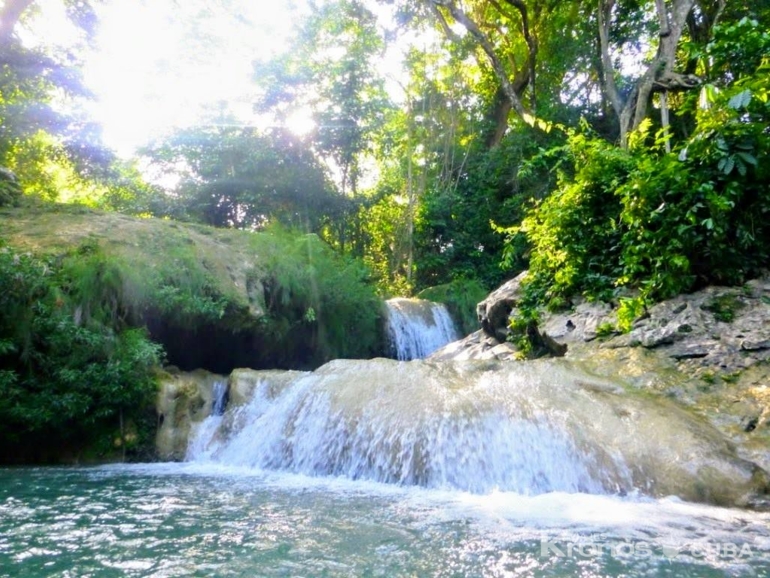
x=523, y=442
x=219, y=403
x=416, y=328
x=526, y=428
x=210, y=426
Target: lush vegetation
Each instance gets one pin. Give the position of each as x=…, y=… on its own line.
x=82, y=316
x=669, y=213
x=69, y=373
x=625, y=160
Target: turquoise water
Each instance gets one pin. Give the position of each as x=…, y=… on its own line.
x=204, y=520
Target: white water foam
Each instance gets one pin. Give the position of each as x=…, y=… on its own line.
x=416, y=328
x=457, y=440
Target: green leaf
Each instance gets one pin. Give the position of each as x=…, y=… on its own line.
x=726, y=165
x=740, y=100
x=747, y=158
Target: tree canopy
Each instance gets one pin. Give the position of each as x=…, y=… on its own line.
x=437, y=139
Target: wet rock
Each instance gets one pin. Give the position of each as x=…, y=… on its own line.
x=477, y=345
x=494, y=311
x=243, y=381
x=749, y=345
x=184, y=399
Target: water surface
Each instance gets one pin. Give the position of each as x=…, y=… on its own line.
x=209, y=520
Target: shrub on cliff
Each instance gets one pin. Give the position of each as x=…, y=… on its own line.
x=660, y=221
x=66, y=381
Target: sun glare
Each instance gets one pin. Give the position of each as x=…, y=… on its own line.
x=301, y=122
x=158, y=65
x=161, y=65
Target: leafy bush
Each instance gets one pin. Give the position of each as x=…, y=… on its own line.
x=574, y=233
x=66, y=381
x=653, y=222
x=320, y=305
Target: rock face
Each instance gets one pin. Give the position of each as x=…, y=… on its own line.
x=184, y=399
x=708, y=351
x=494, y=311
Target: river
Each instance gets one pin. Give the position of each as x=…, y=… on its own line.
x=211, y=520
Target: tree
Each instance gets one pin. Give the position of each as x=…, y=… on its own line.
x=238, y=177
x=332, y=73
x=43, y=140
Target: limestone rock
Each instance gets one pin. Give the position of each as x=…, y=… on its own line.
x=581, y=324
x=184, y=399
x=243, y=381
x=477, y=345
x=493, y=312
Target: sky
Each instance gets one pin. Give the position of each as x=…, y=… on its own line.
x=160, y=64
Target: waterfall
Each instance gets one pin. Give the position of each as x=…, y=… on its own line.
x=529, y=428
x=416, y=328
x=209, y=427
x=219, y=402
x=435, y=425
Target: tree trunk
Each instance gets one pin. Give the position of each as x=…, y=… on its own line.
x=506, y=85
x=9, y=17
x=672, y=23
x=510, y=92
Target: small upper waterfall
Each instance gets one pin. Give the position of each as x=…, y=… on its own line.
x=416, y=328
x=219, y=402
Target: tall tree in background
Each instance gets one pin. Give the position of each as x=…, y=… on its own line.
x=237, y=177
x=333, y=73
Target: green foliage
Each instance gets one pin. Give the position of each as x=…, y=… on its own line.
x=522, y=326
x=112, y=291
x=606, y=329
x=55, y=151
x=629, y=310
x=65, y=381
x=320, y=305
x=10, y=190
x=736, y=49
x=453, y=234
x=574, y=233
x=657, y=222
x=385, y=227
x=460, y=297
x=234, y=177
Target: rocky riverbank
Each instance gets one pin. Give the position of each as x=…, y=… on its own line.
x=707, y=351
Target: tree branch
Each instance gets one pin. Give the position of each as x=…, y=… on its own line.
x=459, y=15
x=531, y=41
x=448, y=32
x=9, y=17
x=609, y=85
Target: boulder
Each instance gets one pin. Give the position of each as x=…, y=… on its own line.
x=494, y=311
x=708, y=351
